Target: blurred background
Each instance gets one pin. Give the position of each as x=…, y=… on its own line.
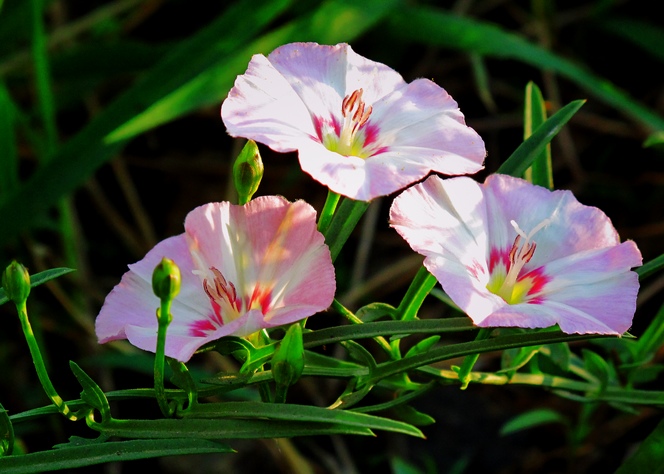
x=110, y=133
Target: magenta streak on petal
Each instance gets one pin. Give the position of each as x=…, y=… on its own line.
x=201, y=328
x=223, y=297
x=475, y=269
x=499, y=257
x=371, y=133
x=538, y=281
x=318, y=126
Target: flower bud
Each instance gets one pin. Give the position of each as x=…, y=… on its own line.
x=166, y=279
x=247, y=172
x=16, y=282
x=288, y=360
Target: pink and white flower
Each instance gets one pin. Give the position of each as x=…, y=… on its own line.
x=359, y=128
x=244, y=268
x=510, y=253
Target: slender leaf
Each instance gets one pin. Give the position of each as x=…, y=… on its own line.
x=8, y=155
x=650, y=267
x=385, y=328
x=332, y=22
x=451, y=351
x=92, y=394
x=436, y=27
x=527, y=152
x=647, y=36
x=540, y=172
x=76, y=160
x=649, y=457
x=651, y=339
x=198, y=428
x=38, y=279
x=69, y=457
x=532, y=419
x=304, y=413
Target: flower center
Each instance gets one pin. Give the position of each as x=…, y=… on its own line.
x=355, y=113
x=508, y=283
x=223, y=296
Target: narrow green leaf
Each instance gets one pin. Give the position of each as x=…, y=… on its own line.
x=374, y=311
x=653, y=139
x=648, y=268
x=649, y=457
x=647, y=36
x=8, y=156
x=532, y=419
x=332, y=22
x=92, y=394
x=40, y=278
x=386, y=328
x=597, y=366
x=69, y=457
x=451, y=351
x=527, y=152
x=436, y=27
x=651, y=339
x=514, y=359
x=77, y=159
x=540, y=172
x=422, y=346
x=300, y=413
x=198, y=428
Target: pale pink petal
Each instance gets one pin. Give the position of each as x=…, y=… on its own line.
x=269, y=259
x=444, y=218
x=255, y=108
x=292, y=100
x=582, y=278
x=132, y=300
x=573, y=227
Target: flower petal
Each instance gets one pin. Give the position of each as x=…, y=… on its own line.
x=292, y=100
x=584, y=282
x=133, y=304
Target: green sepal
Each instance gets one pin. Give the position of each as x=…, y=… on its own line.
x=92, y=394
x=39, y=279
x=247, y=172
x=16, y=283
x=166, y=280
x=288, y=359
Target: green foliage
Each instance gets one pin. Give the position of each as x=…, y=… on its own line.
x=132, y=87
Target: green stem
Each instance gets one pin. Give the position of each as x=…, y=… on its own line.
x=328, y=211
x=163, y=320
x=421, y=286
x=343, y=223
x=39, y=364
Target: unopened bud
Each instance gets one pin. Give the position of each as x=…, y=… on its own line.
x=247, y=172
x=288, y=360
x=166, y=279
x=16, y=283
